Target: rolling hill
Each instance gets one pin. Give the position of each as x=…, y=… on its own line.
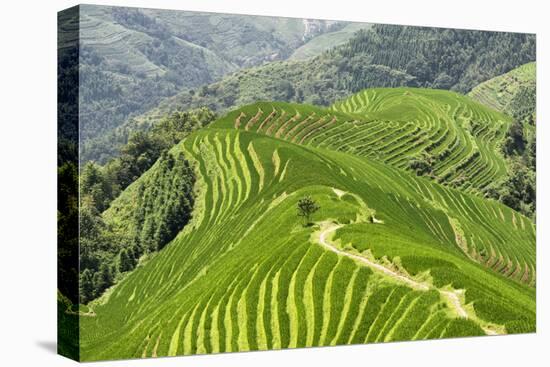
x=514, y=94
x=389, y=256
x=459, y=138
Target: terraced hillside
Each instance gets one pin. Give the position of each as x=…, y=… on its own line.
x=459, y=137
x=390, y=256
x=499, y=92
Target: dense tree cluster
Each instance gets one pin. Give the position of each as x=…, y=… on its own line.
x=422, y=165
x=67, y=230
x=104, y=183
x=518, y=189
x=443, y=58
x=146, y=219
x=162, y=204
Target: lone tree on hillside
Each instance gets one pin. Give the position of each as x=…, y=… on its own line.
x=306, y=207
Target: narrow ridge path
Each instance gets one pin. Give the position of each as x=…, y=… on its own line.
x=451, y=297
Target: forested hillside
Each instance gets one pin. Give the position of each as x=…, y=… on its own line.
x=114, y=236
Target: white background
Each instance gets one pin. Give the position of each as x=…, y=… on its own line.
x=28, y=182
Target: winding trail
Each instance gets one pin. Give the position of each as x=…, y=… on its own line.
x=451, y=297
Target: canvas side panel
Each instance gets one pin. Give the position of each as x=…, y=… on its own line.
x=68, y=338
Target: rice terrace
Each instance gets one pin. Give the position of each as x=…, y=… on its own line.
x=399, y=210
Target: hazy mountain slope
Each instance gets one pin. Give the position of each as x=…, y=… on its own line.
x=327, y=41
x=132, y=58
x=244, y=40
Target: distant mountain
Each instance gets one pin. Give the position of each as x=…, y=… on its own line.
x=327, y=41
x=381, y=56
x=133, y=58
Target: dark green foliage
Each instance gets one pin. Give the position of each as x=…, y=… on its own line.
x=102, y=279
x=68, y=338
x=161, y=208
x=422, y=165
x=104, y=183
x=443, y=58
x=164, y=202
x=514, y=144
x=518, y=189
x=126, y=262
x=67, y=230
x=87, y=290
x=96, y=187
x=306, y=207
x=524, y=104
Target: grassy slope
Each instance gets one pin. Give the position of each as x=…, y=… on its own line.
x=394, y=125
x=498, y=92
x=275, y=287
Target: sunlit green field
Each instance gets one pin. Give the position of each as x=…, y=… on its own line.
x=389, y=256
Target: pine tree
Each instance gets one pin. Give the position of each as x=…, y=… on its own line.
x=86, y=286
x=126, y=262
x=306, y=207
x=102, y=279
